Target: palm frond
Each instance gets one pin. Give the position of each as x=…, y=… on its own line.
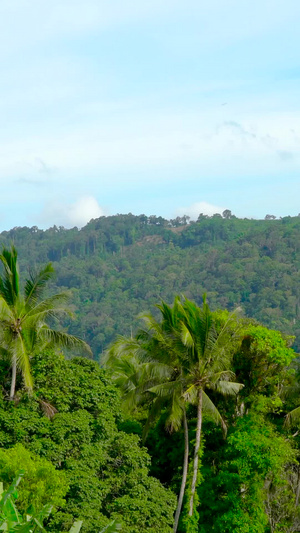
x=166, y=390
x=124, y=366
x=228, y=388
x=190, y=394
x=210, y=408
x=186, y=336
x=155, y=410
x=76, y=527
x=53, y=307
x=35, y=285
x=9, y=283
x=175, y=412
x=122, y=346
x=131, y=399
x=6, y=313
x=52, y=338
x=293, y=418
x=222, y=335
x=48, y=409
x=228, y=375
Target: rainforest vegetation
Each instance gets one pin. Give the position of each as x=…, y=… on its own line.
x=190, y=422
x=120, y=266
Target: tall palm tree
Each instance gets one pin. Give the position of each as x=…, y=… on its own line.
x=148, y=368
x=173, y=362
x=208, y=344
x=203, y=343
x=24, y=316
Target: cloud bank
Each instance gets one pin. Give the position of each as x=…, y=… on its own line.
x=77, y=214
x=194, y=210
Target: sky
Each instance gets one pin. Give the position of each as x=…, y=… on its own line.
x=158, y=107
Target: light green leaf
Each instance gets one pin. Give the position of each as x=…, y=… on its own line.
x=113, y=527
x=76, y=527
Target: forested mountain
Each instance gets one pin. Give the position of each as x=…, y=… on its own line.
x=120, y=266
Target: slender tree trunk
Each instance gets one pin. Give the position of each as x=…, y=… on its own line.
x=13, y=379
x=298, y=489
x=196, y=454
x=184, y=472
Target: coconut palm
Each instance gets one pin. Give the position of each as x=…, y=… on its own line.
x=170, y=351
x=174, y=362
x=203, y=343
x=24, y=316
x=209, y=346
x=149, y=369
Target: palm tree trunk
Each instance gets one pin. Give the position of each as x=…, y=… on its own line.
x=184, y=472
x=196, y=453
x=298, y=489
x=13, y=379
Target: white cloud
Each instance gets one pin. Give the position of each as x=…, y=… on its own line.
x=195, y=209
x=69, y=215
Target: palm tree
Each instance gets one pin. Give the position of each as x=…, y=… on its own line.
x=169, y=392
x=202, y=343
x=208, y=343
x=24, y=316
x=174, y=362
x=149, y=369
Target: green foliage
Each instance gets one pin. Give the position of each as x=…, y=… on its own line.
x=12, y=521
x=106, y=469
x=42, y=484
x=234, y=493
x=10, y=518
x=261, y=364
x=271, y=345
x=145, y=508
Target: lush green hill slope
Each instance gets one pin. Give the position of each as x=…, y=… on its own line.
x=120, y=266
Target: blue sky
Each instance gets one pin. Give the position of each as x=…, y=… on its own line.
x=148, y=107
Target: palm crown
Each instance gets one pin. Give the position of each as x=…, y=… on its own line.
x=24, y=316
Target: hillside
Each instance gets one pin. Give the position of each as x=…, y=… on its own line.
x=120, y=266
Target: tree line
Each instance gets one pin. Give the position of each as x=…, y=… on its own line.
x=120, y=266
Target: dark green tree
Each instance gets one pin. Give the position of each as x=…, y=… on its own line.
x=106, y=469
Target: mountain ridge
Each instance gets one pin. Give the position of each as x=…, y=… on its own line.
x=120, y=266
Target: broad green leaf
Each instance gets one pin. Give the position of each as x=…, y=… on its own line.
x=76, y=527
x=113, y=527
